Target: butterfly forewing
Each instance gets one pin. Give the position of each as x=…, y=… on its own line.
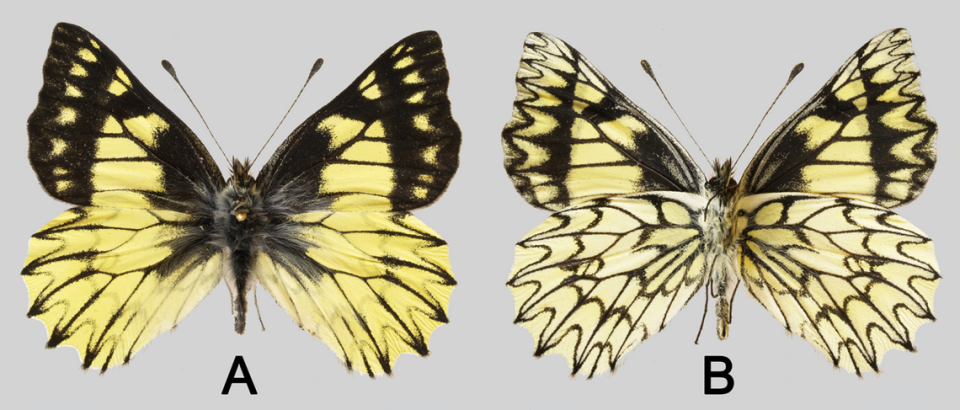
x=865, y=135
x=574, y=136
x=98, y=137
x=386, y=143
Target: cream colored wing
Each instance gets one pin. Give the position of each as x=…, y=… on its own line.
x=852, y=278
x=595, y=279
x=107, y=281
x=574, y=137
x=371, y=285
x=866, y=135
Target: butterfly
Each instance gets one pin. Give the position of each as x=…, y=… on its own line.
x=324, y=227
x=637, y=228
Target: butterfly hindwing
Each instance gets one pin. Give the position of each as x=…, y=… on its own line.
x=107, y=281
x=865, y=135
x=597, y=278
x=371, y=285
x=386, y=143
x=98, y=137
x=574, y=136
x=852, y=278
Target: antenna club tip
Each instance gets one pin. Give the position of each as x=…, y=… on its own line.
x=169, y=67
x=796, y=70
x=647, y=68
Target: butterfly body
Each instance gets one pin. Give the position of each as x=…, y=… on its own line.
x=324, y=226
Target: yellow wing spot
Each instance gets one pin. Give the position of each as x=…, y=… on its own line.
x=403, y=63
x=59, y=172
x=116, y=88
x=584, y=130
x=118, y=148
x=63, y=185
x=850, y=90
x=860, y=103
x=818, y=130
x=622, y=130
x=67, y=116
x=594, y=153
x=341, y=129
x=366, y=81
x=370, y=179
x=59, y=146
x=127, y=175
x=897, y=119
x=372, y=93
x=72, y=91
x=375, y=130
x=769, y=214
x=368, y=151
x=421, y=122
x=94, y=44
x=113, y=199
x=857, y=127
x=589, y=181
x=416, y=98
x=413, y=78
x=545, y=193
x=86, y=55
x=836, y=178
x=904, y=150
x=111, y=126
x=430, y=154
x=847, y=151
x=397, y=50
x=123, y=77
x=425, y=178
x=146, y=128
x=78, y=70
x=899, y=190
x=675, y=213
x=420, y=192
x=586, y=92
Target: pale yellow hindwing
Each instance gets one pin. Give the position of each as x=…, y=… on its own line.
x=108, y=281
x=595, y=279
x=378, y=284
x=852, y=278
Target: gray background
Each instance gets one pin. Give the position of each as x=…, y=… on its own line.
x=243, y=64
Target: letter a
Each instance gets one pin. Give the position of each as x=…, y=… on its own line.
x=232, y=377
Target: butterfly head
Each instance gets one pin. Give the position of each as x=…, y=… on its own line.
x=722, y=183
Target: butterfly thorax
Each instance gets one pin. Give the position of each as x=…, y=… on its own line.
x=721, y=248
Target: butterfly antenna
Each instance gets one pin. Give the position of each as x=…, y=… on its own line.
x=649, y=70
x=316, y=67
x=173, y=73
x=793, y=74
